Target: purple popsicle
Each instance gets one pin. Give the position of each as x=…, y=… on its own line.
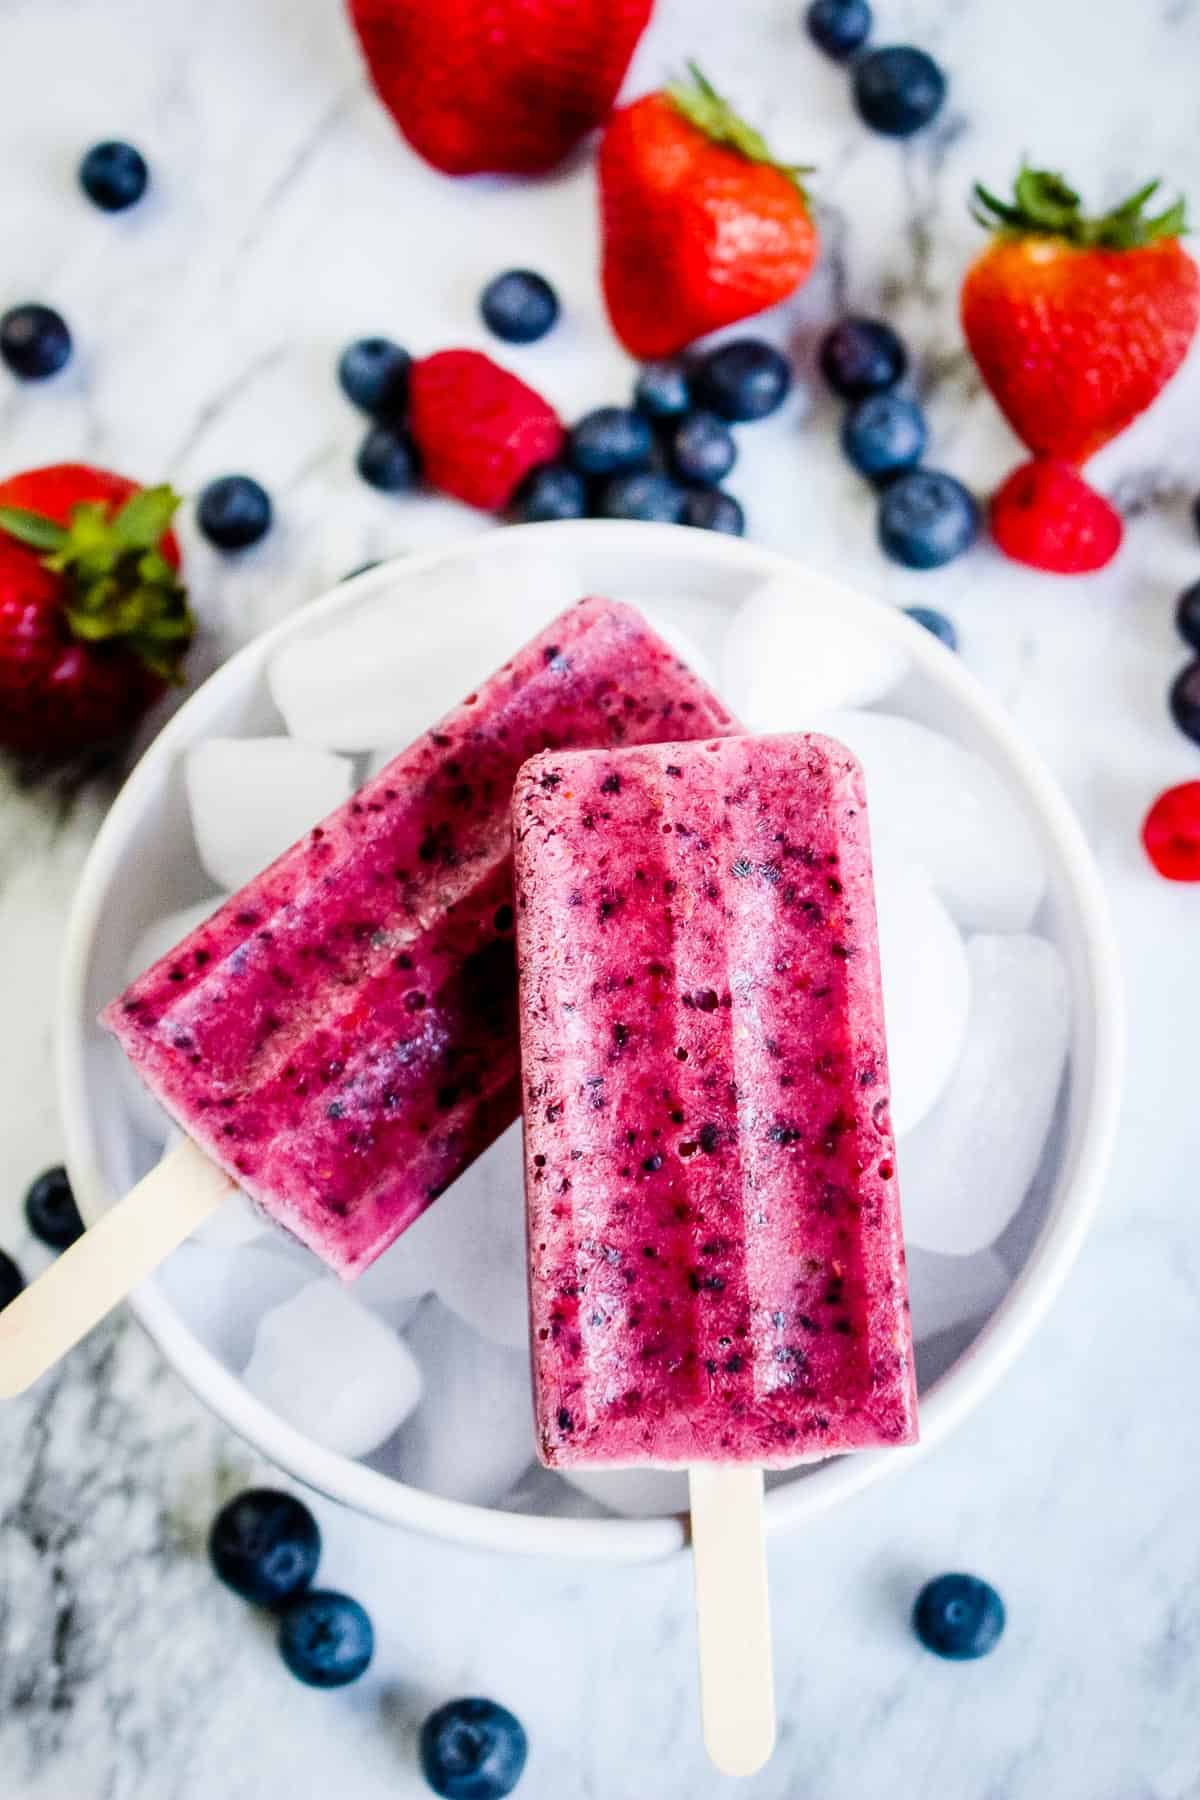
x=341, y=1036
x=716, y=1259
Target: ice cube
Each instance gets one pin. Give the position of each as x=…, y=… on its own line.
x=236, y=1223
x=471, y=1438
x=481, y=1271
x=251, y=798
x=965, y=1169
x=388, y=672
x=947, y=809
x=925, y=987
x=634, y=1493
x=791, y=651
x=468, y=1248
x=673, y=620
x=223, y=1294
x=165, y=933
x=945, y=1291
x=330, y=1368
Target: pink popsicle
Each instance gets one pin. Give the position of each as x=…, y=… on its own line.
x=716, y=1260
x=341, y=1036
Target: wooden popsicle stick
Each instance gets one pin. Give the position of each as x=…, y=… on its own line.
x=106, y=1264
x=733, y=1616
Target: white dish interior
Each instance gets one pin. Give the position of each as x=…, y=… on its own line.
x=438, y=610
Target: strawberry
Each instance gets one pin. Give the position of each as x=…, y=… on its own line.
x=1077, y=323
x=701, y=225
x=93, y=621
x=499, y=86
x=1046, y=515
x=478, y=428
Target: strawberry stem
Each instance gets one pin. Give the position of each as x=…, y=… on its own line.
x=1045, y=204
x=711, y=113
x=117, y=584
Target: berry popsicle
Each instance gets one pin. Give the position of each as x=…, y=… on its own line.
x=341, y=1036
x=716, y=1259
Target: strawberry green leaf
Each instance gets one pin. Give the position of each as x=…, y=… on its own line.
x=145, y=516
x=1044, y=204
x=117, y=586
x=31, y=528
x=711, y=113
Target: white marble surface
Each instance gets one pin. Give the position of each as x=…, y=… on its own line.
x=286, y=218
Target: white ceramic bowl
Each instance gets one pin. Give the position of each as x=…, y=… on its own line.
x=143, y=860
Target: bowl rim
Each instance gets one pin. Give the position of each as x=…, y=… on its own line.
x=948, y=1400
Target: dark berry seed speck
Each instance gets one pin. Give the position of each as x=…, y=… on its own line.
x=51, y=1210
x=234, y=511
x=265, y=1545
x=519, y=306
x=34, y=341
x=743, y=380
x=862, y=356
x=326, y=1639
x=113, y=175
x=838, y=27
x=11, y=1280
x=373, y=373
x=897, y=90
x=959, y=1617
x=473, y=1749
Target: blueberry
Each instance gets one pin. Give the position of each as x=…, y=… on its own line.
x=11, y=1280
x=711, y=509
x=936, y=622
x=113, y=175
x=552, y=492
x=663, y=389
x=234, y=511
x=1187, y=615
x=473, y=1750
x=387, y=459
x=862, y=356
x=743, y=380
x=883, y=434
x=51, y=1210
x=897, y=90
x=702, y=449
x=927, y=518
x=34, y=341
x=374, y=375
x=326, y=1639
x=611, y=441
x=265, y=1545
x=647, y=496
x=838, y=27
x=519, y=306
x=959, y=1616
x=1185, y=700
